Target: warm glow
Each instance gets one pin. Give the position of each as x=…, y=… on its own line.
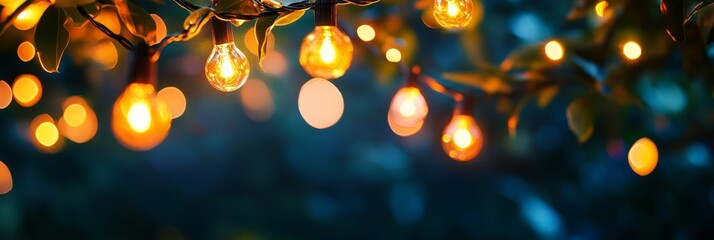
x=79, y=122
x=600, y=8
x=5, y=94
x=643, y=157
x=366, y=33
x=5, y=179
x=408, y=107
x=26, y=51
x=320, y=103
x=326, y=52
x=402, y=130
x=257, y=100
x=175, y=99
x=31, y=15
x=75, y=115
x=110, y=19
x=393, y=55
x=106, y=54
x=47, y=134
x=140, y=120
x=275, y=64
x=453, y=14
x=161, y=30
x=139, y=116
x=227, y=68
x=27, y=90
x=44, y=134
x=462, y=139
x=251, y=43
x=554, y=50
x=632, y=50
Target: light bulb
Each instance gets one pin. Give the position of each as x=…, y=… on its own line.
x=462, y=139
x=408, y=107
x=453, y=14
x=326, y=52
x=227, y=68
x=140, y=119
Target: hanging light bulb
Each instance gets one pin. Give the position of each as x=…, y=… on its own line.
x=462, y=139
x=140, y=120
x=326, y=52
x=453, y=14
x=408, y=107
x=227, y=68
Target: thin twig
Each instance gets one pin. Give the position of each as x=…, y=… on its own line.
x=119, y=38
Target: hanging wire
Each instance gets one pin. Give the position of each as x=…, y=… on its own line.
x=119, y=38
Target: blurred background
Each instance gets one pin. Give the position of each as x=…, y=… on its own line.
x=245, y=165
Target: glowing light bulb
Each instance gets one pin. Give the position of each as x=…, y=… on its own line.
x=632, y=50
x=140, y=119
x=227, y=68
x=554, y=50
x=408, y=107
x=462, y=139
x=326, y=52
x=643, y=157
x=453, y=14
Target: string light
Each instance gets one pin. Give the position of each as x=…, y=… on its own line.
x=227, y=68
x=643, y=157
x=27, y=90
x=632, y=50
x=462, y=139
x=326, y=52
x=140, y=120
x=366, y=33
x=408, y=107
x=554, y=50
x=453, y=14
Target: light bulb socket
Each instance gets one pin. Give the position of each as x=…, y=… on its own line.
x=222, y=32
x=325, y=13
x=413, y=77
x=466, y=105
x=143, y=68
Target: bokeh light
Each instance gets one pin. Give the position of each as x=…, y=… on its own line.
x=643, y=157
x=27, y=90
x=5, y=94
x=175, y=99
x=78, y=122
x=5, y=179
x=366, y=33
x=275, y=64
x=408, y=107
x=554, y=50
x=161, y=30
x=600, y=8
x=257, y=100
x=394, y=55
x=44, y=134
x=320, y=103
x=29, y=17
x=632, y=50
x=105, y=53
x=26, y=51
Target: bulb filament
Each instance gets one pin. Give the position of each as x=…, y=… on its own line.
x=327, y=50
x=139, y=116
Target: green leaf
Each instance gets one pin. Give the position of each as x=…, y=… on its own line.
x=287, y=19
x=486, y=82
x=581, y=117
x=530, y=57
x=546, y=95
x=514, y=118
x=51, y=38
x=72, y=3
x=240, y=7
x=263, y=26
x=136, y=20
